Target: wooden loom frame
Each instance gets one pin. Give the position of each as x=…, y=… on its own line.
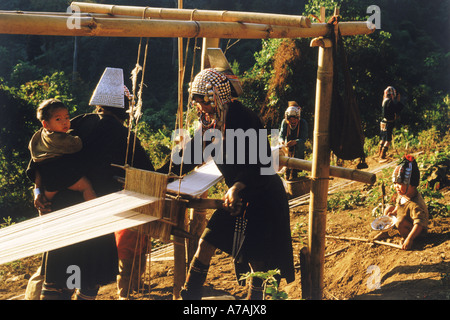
x=108, y=24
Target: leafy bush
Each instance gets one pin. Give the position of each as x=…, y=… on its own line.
x=270, y=283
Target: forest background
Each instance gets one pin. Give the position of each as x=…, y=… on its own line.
x=410, y=52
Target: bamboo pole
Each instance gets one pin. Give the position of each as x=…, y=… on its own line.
x=336, y=251
x=180, y=75
x=320, y=167
x=339, y=172
x=197, y=224
x=179, y=250
x=195, y=14
x=61, y=25
x=305, y=273
x=398, y=246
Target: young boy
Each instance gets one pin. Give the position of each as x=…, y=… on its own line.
x=52, y=149
x=410, y=208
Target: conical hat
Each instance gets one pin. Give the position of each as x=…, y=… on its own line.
x=110, y=89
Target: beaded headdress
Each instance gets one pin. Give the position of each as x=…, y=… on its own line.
x=210, y=82
x=407, y=172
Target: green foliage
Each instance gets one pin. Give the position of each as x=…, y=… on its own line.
x=436, y=208
x=300, y=230
x=157, y=144
x=17, y=125
x=7, y=221
x=270, y=283
x=345, y=201
x=56, y=85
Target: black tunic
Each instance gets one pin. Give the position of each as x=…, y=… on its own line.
x=268, y=234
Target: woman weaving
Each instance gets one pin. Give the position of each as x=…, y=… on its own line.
x=254, y=224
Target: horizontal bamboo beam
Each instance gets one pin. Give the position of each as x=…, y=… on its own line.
x=194, y=14
x=339, y=172
x=56, y=25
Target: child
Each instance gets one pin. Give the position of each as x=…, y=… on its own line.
x=52, y=149
x=391, y=108
x=410, y=208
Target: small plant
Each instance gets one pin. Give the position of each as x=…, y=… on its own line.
x=438, y=209
x=341, y=201
x=270, y=283
x=300, y=229
x=6, y=222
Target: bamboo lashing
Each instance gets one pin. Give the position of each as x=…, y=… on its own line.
x=74, y=224
x=195, y=14
x=57, y=25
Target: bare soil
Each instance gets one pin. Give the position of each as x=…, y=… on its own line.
x=359, y=271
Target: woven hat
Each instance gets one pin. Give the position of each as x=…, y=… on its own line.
x=110, y=89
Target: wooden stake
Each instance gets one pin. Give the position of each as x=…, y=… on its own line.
x=197, y=224
x=305, y=273
x=179, y=251
x=320, y=172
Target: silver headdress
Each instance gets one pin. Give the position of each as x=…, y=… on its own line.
x=210, y=82
x=110, y=89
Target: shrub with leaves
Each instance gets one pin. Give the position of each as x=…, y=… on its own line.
x=270, y=283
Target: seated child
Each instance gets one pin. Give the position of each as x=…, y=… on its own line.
x=52, y=149
x=410, y=207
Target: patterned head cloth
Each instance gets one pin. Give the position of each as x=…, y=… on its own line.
x=390, y=92
x=407, y=172
x=292, y=111
x=209, y=83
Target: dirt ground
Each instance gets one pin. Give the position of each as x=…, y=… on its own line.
x=359, y=271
